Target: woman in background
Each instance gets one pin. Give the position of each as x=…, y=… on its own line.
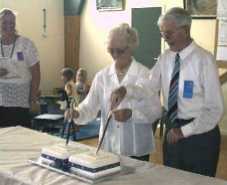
x=19, y=73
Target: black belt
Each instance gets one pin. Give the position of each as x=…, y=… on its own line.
x=182, y=122
x=177, y=123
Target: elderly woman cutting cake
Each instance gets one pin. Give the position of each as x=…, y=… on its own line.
x=129, y=131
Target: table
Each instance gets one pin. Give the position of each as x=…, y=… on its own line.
x=18, y=144
x=48, y=122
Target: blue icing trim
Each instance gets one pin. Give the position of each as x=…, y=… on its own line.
x=58, y=163
x=94, y=170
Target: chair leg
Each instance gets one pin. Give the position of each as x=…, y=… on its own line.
x=64, y=129
x=162, y=122
x=74, y=132
x=154, y=126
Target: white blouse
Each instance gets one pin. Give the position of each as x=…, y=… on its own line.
x=15, y=86
x=134, y=137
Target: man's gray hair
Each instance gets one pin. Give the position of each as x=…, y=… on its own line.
x=180, y=16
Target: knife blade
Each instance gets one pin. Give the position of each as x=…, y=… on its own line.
x=104, y=132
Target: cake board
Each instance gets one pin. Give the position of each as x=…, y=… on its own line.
x=124, y=170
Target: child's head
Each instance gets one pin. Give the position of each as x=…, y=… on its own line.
x=81, y=75
x=67, y=74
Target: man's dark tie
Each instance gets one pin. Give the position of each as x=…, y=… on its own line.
x=173, y=91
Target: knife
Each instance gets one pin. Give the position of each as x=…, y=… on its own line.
x=104, y=132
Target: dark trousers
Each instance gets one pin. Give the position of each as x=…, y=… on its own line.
x=197, y=154
x=142, y=158
x=12, y=116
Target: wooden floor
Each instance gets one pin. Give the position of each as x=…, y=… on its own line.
x=156, y=157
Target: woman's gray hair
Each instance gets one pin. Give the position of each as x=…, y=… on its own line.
x=178, y=15
x=6, y=11
x=126, y=35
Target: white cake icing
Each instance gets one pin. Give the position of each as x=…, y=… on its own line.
x=94, y=166
x=80, y=160
x=57, y=151
x=60, y=152
x=49, y=155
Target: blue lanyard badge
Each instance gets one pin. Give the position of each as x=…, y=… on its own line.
x=20, y=56
x=188, y=89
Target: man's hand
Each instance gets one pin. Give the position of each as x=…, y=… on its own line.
x=122, y=115
x=174, y=135
x=117, y=96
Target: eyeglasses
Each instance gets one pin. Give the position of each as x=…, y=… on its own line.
x=118, y=51
x=171, y=32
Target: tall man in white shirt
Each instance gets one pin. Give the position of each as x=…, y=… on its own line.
x=192, y=138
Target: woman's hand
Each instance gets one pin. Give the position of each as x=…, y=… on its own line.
x=117, y=96
x=35, y=96
x=3, y=72
x=122, y=115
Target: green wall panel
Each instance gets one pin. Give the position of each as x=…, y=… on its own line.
x=73, y=7
x=145, y=21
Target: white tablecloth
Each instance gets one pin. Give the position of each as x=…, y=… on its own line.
x=18, y=144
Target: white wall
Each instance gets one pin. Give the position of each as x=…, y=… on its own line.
x=95, y=26
x=51, y=47
x=223, y=124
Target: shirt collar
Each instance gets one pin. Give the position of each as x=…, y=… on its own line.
x=131, y=71
x=186, y=51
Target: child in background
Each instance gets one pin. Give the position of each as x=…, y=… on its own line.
x=67, y=76
x=76, y=92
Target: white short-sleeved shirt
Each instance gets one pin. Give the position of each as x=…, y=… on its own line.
x=15, y=86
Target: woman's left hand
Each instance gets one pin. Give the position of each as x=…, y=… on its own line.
x=122, y=115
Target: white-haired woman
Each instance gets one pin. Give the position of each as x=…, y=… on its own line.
x=130, y=130
x=19, y=73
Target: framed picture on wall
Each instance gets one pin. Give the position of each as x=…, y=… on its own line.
x=201, y=9
x=109, y=5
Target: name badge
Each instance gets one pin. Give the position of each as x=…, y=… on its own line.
x=188, y=89
x=20, y=56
